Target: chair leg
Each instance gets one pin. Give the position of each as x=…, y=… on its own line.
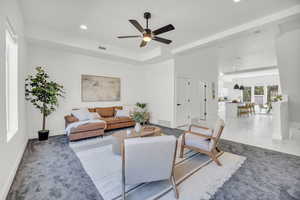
x=173, y=183
x=214, y=157
x=181, y=151
x=123, y=192
x=182, y=146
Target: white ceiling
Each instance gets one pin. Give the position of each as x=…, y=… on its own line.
x=255, y=49
x=106, y=19
x=249, y=74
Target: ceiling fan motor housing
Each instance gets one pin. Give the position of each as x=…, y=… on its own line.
x=147, y=33
x=147, y=15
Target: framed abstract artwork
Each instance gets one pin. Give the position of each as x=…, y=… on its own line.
x=100, y=88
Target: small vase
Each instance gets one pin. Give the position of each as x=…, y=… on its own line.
x=137, y=127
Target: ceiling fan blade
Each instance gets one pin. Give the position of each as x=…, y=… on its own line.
x=143, y=43
x=129, y=36
x=164, y=29
x=163, y=40
x=137, y=25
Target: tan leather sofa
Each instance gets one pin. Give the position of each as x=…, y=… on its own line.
x=97, y=129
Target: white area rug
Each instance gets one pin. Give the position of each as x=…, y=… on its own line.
x=196, y=175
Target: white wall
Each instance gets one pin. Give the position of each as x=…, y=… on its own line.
x=11, y=152
x=288, y=48
x=159, y=81
x=200, y=65
x=66, y=68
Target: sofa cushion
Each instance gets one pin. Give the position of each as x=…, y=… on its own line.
x=106, y=112
x=116, y=120
x=88, y=127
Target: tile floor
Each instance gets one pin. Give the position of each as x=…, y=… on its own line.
x=257, y=130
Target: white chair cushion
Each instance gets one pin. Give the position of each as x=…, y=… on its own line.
x=197, y=141
x=149, y=159
x=203, y=131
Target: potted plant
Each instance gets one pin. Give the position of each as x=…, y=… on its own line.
x=140, y=115
x=43, y=94
x=141, y=106
x=275, y=99
x=278, y=98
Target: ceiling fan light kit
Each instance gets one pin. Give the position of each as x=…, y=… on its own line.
x=147, y=33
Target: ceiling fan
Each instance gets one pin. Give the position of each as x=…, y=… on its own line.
x=147, y=34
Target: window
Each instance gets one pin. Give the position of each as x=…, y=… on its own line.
x=272, y=92
x=247, y=94
x=259, y=90
x=11, y=66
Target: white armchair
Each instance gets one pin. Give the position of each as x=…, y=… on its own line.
x=148, y=159
x=203, y=140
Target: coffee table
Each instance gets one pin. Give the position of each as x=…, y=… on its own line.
x=119, y=136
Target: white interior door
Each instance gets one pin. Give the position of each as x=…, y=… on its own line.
x=183, y=102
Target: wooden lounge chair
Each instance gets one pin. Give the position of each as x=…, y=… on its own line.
x=203, y=140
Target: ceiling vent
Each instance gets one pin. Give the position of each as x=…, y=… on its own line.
x=101, y=47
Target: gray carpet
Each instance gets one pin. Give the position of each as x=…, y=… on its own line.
x=50, y=170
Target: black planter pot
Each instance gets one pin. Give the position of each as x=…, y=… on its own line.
x=43, y=135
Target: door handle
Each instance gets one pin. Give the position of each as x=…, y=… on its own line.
x=178, y=104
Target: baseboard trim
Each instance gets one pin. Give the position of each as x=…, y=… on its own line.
x=13, y=172
x=52, y=133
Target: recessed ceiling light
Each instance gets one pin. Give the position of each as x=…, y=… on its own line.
x=83, y=27
x=257, y=32
x=236, y=1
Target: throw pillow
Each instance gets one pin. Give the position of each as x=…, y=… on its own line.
x=122, y=113
x=81, y=114
x=94, y=115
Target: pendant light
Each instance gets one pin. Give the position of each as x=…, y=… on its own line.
x=242, y=87
x=236, y=87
